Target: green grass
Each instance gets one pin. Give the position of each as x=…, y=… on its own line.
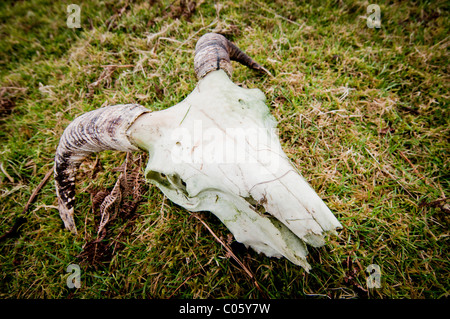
x=362, y=112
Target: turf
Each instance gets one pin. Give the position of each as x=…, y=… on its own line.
x=362, y=112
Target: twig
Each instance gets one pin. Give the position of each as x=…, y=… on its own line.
x=21, y=220
x=37, y=189
x=228, y=249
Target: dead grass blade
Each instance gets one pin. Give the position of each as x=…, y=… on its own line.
x=185, y=281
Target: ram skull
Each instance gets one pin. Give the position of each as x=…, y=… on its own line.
x=216, y=151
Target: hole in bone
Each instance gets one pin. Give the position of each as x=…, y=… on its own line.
x=258, y=206
x=158, y=177
x=177, y=181
x=173, y=181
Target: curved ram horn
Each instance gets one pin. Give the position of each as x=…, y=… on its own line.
x=213, y=52
x=95, y=131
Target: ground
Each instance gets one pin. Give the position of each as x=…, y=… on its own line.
x=362, y=113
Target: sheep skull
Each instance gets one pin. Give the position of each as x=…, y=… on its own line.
x=215, y=151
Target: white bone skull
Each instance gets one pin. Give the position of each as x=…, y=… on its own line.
x=215, y=151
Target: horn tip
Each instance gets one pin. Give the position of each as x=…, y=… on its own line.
x=67, y=217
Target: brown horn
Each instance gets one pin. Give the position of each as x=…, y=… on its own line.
x=213, y=52
x=95, y=131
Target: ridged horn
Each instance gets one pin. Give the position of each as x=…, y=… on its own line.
x=95, y=131
x=213, y=52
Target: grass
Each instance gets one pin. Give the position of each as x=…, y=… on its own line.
x=362, y=112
